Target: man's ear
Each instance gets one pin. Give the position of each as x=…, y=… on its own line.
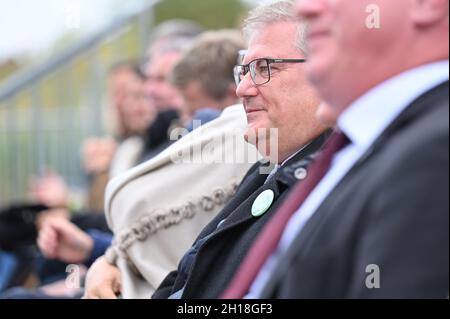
x=426, y=13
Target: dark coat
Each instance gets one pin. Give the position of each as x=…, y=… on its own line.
x=17, y=226
x=225, y=246
x=391, y=210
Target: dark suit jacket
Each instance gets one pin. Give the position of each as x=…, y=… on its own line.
x=218, y=258
x=391, y=210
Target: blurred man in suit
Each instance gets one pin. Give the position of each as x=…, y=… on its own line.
x=373, y=222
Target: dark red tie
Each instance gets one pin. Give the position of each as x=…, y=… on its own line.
x=267, y=241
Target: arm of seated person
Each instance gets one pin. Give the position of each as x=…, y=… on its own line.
x=61, y=239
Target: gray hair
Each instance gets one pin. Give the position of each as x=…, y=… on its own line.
x=279, y=11
x=176, y=28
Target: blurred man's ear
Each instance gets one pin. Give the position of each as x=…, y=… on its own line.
x=427, y=13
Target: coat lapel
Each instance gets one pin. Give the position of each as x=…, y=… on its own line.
x=239, y=211
x=246, y=189
x=243, y=213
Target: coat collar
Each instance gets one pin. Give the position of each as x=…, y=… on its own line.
x=295, y=170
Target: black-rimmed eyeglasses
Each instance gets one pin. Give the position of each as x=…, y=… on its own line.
x=260, y=69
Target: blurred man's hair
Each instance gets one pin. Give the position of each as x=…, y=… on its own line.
x=176, y=28
x=172, y=36
x=210, y=61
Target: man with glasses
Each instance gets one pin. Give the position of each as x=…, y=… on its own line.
x=276, y=96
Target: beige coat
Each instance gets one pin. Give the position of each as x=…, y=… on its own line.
x=157, y=209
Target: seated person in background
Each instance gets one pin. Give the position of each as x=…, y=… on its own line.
x=203, y=82
x=138, y=114
x=17, y=239
x=203, y=75
x=19, y=226
x=208, y=82
x=52, y=191
x=134, y=114
x=167, y=42
x=131, y=109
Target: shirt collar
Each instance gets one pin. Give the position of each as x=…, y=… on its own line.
x=366, y=119
x=292, y=156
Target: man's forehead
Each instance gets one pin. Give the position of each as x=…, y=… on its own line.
x=273, y=41
x=268, y=52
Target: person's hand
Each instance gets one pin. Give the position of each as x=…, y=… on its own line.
x=51, y=190
x=103, y=281
x=62, y=240
x=98, y=154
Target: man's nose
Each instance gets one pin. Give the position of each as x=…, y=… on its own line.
x=246, y=87
x=309, y=9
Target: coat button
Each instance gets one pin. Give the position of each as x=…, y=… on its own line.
x=301, y=173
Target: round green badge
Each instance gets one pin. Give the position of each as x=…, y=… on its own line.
x=262, y=203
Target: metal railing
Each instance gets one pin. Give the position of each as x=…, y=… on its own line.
x=46, y=112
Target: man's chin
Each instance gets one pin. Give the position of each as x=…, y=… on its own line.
x=251, y=135
x=327, y=115
x=248, y=136
x=261, y=138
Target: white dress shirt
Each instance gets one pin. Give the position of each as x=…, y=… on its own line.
x=363, y=123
